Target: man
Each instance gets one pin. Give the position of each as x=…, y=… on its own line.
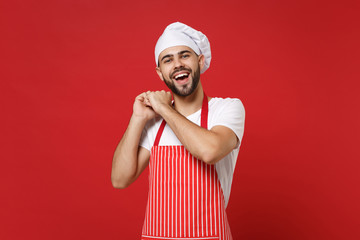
x=190, y=144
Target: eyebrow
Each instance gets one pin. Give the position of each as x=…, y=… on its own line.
x=179, y=53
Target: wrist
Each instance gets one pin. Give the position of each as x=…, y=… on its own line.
x=138, y=119
x=163, y=108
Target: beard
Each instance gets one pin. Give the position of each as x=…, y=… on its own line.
x=186, y=89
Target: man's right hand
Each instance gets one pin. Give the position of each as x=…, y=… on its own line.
x=141, y=108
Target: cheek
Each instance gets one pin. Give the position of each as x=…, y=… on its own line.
x=167, y=72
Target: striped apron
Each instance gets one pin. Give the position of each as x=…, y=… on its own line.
x=185, y=199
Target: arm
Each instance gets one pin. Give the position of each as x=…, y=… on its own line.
x=208, y=145
x=129, y=158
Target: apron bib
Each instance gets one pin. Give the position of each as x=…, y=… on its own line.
x=185, y=199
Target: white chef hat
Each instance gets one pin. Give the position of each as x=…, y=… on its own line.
x=179, y=34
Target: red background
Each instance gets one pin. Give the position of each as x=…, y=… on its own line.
x=71, y=69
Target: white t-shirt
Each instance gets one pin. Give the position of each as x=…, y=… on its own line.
x=228, y=112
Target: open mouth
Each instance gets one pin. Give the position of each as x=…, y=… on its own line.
x=181, y=76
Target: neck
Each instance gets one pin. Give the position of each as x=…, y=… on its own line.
x=189, y=104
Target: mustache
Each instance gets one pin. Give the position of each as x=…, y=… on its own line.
x=179, y=70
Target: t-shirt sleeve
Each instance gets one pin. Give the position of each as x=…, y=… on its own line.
x=232, y=115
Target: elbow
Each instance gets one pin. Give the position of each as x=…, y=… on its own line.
x=210, y=160
x=118, y=184
x=214, y=152
x=210, y=156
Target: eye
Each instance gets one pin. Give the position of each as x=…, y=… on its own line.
x=185, y=56
x=167, y=60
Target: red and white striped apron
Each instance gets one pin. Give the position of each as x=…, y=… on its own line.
x=185, y=199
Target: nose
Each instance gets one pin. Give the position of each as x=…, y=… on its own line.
x=178, y=63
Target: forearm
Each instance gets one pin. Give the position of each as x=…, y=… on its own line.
x=125, y=161
x=207, y=145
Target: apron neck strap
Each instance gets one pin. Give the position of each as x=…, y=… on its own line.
x=203, y=120
x=204, y=112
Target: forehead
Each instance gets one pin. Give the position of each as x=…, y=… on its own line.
x=174, y=50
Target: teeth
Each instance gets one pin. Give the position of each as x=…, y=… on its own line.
x=181, y=75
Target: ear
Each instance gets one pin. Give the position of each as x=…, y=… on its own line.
x=201, y=61
x=158, y=71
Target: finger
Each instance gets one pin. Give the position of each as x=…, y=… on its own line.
x=147, y=101
x=140, y=99
x=141, y=96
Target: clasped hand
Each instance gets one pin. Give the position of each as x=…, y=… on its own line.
x=149, y=104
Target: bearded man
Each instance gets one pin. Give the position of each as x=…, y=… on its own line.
x=190, y=144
